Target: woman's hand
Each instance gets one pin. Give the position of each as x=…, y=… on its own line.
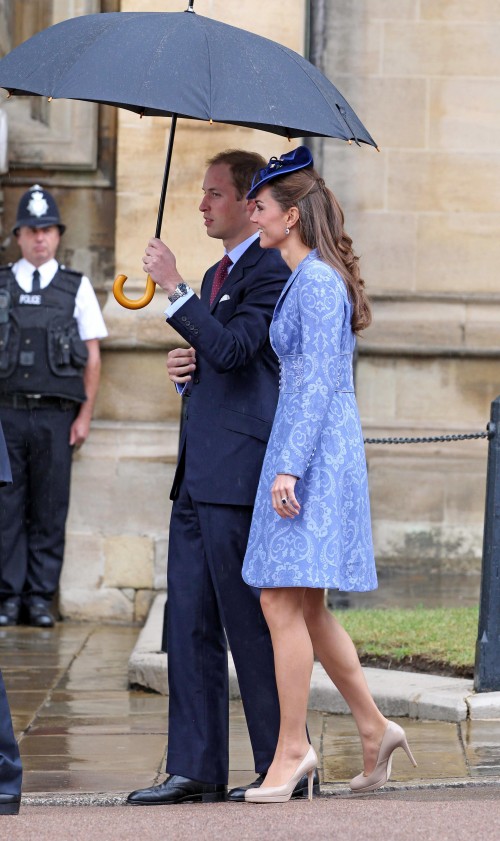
x=283, y=496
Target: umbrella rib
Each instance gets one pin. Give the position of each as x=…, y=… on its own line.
x=210, y=73
x=305, y=69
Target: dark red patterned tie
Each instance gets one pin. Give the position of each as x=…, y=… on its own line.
x=219, y=277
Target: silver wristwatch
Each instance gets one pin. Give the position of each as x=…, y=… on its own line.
x=180, y=290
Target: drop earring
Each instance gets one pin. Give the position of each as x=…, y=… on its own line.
x=287, y=231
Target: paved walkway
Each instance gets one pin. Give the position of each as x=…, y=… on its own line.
x=443, y=814
x=87, y=738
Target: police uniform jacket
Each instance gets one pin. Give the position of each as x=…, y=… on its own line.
x=41, y=351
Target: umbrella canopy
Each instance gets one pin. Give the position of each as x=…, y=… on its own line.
x=165, y=63
x=180, y=64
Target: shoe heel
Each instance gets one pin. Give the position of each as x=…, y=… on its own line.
x=9, y=808
x=310, y=783
x=406, y=748
x=213, y=797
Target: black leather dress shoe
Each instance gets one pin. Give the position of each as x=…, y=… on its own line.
x=39, y=613
x=177, y=789
x=9, y=611
x=9, y=804
x=237, y=795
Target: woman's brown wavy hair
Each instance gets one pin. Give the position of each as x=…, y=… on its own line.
x=321, y=226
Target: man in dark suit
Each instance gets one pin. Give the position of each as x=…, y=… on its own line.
x=231, y=373
x=10, y=763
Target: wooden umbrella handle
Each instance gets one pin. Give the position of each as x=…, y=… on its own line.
x=130, y=303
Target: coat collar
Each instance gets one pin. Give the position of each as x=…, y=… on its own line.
x=311, y=256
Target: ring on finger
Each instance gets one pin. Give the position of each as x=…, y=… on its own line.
x=284, y=501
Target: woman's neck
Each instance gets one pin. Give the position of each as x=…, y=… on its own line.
x=293, y=252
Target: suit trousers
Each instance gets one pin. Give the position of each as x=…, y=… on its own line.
x=208, y=602
x=10, y=762
x=34, y=508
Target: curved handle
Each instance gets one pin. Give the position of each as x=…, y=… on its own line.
x=130, y=303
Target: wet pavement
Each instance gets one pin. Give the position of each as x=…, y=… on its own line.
x=85, y=736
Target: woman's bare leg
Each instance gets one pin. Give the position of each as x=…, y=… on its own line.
x=293, y=659
x=338, y=656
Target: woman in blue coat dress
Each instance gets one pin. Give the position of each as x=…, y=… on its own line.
x=311, y=526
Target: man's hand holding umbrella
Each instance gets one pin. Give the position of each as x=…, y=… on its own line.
x=159, y=262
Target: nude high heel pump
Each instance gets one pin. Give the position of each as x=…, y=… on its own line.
x=280, y=794
x=394, y=737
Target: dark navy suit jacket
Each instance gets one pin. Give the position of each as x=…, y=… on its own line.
x=234, y=388
x=5, y=474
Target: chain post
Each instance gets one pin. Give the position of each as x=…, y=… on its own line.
x=487, y=666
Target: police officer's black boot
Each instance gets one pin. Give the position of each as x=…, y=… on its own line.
x=9, y=611
x=39, y=613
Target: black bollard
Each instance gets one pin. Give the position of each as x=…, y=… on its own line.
x=487, y=667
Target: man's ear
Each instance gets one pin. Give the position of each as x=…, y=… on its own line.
x=250, y=206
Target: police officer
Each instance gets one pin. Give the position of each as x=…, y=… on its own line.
x=50, y=326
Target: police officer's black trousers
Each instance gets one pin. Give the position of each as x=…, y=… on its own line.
x=34, y=508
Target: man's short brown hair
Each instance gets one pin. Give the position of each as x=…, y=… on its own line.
x=243, y=166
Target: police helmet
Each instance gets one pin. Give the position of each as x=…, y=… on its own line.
x=37, y=208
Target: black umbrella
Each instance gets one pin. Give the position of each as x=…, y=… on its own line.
x=180, y=65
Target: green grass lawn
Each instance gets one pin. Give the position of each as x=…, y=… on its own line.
x=436, y=640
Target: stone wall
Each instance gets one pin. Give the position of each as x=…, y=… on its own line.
x=425, y=77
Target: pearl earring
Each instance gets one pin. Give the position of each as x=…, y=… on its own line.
x=287, y=231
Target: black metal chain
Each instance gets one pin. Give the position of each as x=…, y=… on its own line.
x=431, y=439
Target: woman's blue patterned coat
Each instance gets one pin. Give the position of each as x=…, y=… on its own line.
x=317, y=437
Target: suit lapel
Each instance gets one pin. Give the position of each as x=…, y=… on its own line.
x=247, y=259
x=206, y=286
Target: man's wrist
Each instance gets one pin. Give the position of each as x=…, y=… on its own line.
x=180, y=291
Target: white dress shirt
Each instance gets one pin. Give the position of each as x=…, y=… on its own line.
x=87, y=311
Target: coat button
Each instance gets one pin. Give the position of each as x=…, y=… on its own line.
x=196, y=380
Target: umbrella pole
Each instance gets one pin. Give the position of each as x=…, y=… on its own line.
x=130, y=303
x=165, y=175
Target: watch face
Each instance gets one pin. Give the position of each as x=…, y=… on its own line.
x=180, y=290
